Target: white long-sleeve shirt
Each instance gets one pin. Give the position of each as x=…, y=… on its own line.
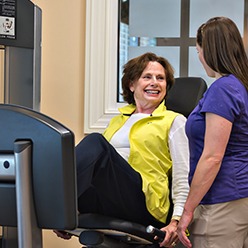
x=179, y=150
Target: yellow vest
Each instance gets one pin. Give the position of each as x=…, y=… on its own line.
x=149, y=154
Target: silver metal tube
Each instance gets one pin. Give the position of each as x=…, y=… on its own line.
x=29, y=235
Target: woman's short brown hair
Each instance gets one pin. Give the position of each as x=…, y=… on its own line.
x=134, y=68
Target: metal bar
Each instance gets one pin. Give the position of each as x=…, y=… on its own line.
x=29, y=235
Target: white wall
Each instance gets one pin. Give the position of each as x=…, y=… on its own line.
x=62, y=72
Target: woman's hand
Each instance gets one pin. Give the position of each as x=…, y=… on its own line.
x=171, y=238
x=182, y=228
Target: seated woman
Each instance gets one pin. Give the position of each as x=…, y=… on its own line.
x=125, y=172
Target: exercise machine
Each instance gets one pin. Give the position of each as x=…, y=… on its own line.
x=20, y=41
x=37, y=177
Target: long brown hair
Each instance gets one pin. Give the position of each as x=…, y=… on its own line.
x=134, y=68
x=223, y=48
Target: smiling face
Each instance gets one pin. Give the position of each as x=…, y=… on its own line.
x=150, y=89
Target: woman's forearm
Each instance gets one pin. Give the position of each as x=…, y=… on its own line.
x=206, y=171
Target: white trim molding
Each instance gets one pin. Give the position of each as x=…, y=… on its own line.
x=100, y=64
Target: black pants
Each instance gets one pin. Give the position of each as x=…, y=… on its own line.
x=107, y=184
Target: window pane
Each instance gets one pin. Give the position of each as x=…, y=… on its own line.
x=159, y=18
x=201, y=11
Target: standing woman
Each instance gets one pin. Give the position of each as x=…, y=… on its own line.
x=217, y=130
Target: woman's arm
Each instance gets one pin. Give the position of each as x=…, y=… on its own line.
x=217, y=134
x=179, y=151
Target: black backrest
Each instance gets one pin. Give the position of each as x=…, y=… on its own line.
x=53, y=167
x=185, y=94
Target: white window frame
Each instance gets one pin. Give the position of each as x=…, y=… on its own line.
x=100, y=98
